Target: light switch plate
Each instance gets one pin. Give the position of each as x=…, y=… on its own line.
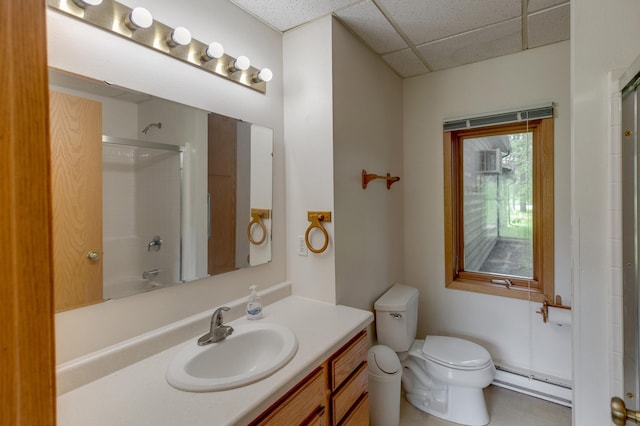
x=302, y=246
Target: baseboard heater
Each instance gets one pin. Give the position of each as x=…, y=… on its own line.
x=549, y=389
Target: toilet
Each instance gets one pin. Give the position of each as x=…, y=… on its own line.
x=443, y=376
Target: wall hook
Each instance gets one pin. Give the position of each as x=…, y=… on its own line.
x=544, y=310
x=256, y=219
x=316, y=219
x=368, y=177
x=391, y=180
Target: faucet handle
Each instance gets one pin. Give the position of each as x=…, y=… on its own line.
x=217, y=315
x=217, y=331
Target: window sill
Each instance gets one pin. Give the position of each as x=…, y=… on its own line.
x=534, y=295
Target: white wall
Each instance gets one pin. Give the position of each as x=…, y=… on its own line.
x=367, y=134
x=308, y=110
x=80, y=48
x=510, y=329
x=604, y=37
x=343, y=113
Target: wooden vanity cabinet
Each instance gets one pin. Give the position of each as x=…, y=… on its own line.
x=348, y=383
x=305, y=404
x=333, y=394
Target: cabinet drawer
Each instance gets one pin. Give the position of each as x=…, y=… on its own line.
x=309, y=397
x=351, y=356
x=346, y=397
x=321, y=418
x=359, y=415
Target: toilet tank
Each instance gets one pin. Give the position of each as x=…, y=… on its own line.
x=397, y=317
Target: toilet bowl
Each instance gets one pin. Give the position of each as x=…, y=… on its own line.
x=443, y=376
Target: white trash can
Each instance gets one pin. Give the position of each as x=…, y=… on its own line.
x=385, y=372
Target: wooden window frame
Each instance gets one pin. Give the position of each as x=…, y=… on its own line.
x=539, y=289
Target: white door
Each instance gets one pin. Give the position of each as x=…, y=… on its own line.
x=630, y=248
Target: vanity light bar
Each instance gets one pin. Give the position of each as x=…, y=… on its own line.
x=139, y=26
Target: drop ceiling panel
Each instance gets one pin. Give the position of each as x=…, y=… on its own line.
x=425, y=21
x=446, y=33
x=473, y=46
x=549, y=26
x=405, y=63
x=535, y=5
x=366, y=20
x=287, y=14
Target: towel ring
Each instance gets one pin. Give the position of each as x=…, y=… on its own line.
x=256, y=219
x=316, y=218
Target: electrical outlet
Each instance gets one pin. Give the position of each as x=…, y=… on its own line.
x=302, y=246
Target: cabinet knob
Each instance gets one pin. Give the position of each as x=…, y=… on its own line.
x=93, y=256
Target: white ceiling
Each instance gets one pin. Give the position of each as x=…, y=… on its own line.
x=418, y=36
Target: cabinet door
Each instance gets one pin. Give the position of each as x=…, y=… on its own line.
x=301, y=406
x=319, y=419
x=76, y=172
x=359, y=415
x=345, y=398
x=348, y=360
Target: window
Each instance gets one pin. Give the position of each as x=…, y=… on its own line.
x=499, y=209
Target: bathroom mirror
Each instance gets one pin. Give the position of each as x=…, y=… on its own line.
x=165, y=193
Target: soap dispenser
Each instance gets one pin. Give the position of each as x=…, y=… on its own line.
x=254, y=305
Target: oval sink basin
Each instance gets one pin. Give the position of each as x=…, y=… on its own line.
x=251, y=353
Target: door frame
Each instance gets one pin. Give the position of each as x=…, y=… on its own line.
x=27, y=354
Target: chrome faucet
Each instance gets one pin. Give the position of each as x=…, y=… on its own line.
x=217, y=331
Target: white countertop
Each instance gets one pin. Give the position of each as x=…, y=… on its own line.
x=140, y=395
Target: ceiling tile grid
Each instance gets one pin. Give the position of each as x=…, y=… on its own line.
x=417, y=36
x=287, y=14
x=536, y=5
x=473, y=46
x=366, y=20
x=549, y=26
x=426, y=21
x=405, y=63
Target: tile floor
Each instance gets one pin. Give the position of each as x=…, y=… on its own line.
x=506, y=408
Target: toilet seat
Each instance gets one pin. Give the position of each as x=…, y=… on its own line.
x=455, y=353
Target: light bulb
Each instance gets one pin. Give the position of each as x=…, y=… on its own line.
x=240, y=64
x=213, y=51
x=179, y=37
x=139, y=18
x=85, y=3
x=264, y=74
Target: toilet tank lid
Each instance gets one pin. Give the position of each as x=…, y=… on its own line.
x=396, y=298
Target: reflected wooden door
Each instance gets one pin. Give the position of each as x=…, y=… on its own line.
x=76, y=157
x=222, y=135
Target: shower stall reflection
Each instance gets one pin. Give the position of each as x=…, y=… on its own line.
x=142, y=192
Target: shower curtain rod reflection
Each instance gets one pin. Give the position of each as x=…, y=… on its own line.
x=141, y=144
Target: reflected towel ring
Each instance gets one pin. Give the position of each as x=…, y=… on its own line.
x=256, y=219
x=316, y=218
